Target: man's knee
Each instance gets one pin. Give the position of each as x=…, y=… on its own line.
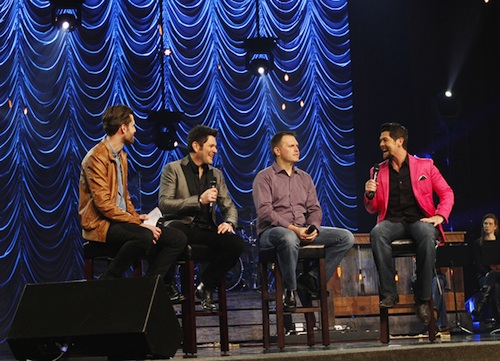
x=289, y=240
x=376, y=232
x=349, y=239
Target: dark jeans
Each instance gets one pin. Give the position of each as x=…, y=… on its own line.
x=438, y=297
x=424, y=235
x=492, y=279
x=228, y=247
x=136, y=241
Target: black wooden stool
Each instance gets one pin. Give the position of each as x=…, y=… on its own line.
x=404, y=248
x=306, y=253
x=195, y=254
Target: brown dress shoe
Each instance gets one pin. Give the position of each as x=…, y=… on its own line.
x=389, y=302
x=423, y=313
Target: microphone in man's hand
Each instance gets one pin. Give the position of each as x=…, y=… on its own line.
x=311, y=229
x=376, y=168
x=213, y=184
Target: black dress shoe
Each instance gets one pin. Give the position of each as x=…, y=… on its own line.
x=307, y=282
x=389, y=302
x=174, y=293
x=423, y=312
x=205, y=297
x=289, y=303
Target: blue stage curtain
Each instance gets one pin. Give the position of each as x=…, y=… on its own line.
x=54, y=86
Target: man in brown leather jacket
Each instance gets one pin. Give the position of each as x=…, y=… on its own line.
x=106, y=210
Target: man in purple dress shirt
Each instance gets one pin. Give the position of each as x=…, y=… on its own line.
x=287, y=205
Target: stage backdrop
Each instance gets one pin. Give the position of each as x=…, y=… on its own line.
x=54, y=87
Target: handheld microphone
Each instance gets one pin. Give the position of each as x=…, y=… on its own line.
x=213, y=184
x=376, y=168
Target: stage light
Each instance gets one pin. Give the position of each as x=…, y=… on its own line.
x=260, y=57
x=66, y=22
x=67, y=14
x=260, y=66
x=167, y=138
x=164, y=128
x=448, y=105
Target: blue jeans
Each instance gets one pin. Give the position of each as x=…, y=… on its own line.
x=424, y=235
x=438, y=296
x=337, y=243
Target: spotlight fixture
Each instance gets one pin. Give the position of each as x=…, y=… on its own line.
x=67, y=14
x=448, y=105
x=164, y=128
x=260, y=57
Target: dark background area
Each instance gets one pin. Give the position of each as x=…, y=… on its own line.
x=404, y=55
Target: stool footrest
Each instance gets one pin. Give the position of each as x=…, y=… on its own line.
x=402, y=305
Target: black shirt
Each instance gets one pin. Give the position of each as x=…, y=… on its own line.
x=203, y=218
x=403, y=206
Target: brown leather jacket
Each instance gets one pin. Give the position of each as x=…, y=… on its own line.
x=99, y=191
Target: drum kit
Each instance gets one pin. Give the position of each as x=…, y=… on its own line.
x=245, y=275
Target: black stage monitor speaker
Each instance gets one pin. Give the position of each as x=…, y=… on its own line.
x=127, y=318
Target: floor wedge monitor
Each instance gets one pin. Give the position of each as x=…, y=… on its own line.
x=126, y=318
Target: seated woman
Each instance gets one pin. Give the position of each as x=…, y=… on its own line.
x=488, y=276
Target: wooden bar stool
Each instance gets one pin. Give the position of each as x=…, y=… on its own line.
x=404, y=248
x=99, y=251
x=195, y=254
x=269, y=256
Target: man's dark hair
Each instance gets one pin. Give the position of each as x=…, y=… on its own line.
x=396, y=131
x=113, y=118
x=199, y=134
x=276, y=139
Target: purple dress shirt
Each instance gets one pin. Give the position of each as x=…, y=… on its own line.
x=282, y=200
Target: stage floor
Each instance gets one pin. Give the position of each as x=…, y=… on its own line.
x=352, y=339
x=456, y=347
x=460, y=343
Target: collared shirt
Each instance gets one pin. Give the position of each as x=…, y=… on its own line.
x=403, y=206
x=282, y=200
x=202, y=218
x=120, y=200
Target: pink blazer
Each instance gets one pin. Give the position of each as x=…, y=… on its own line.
x=425, y=180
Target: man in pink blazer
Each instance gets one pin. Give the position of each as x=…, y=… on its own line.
x=402, y=193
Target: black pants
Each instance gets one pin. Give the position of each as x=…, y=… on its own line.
x=136, y=241
x=228, y=247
